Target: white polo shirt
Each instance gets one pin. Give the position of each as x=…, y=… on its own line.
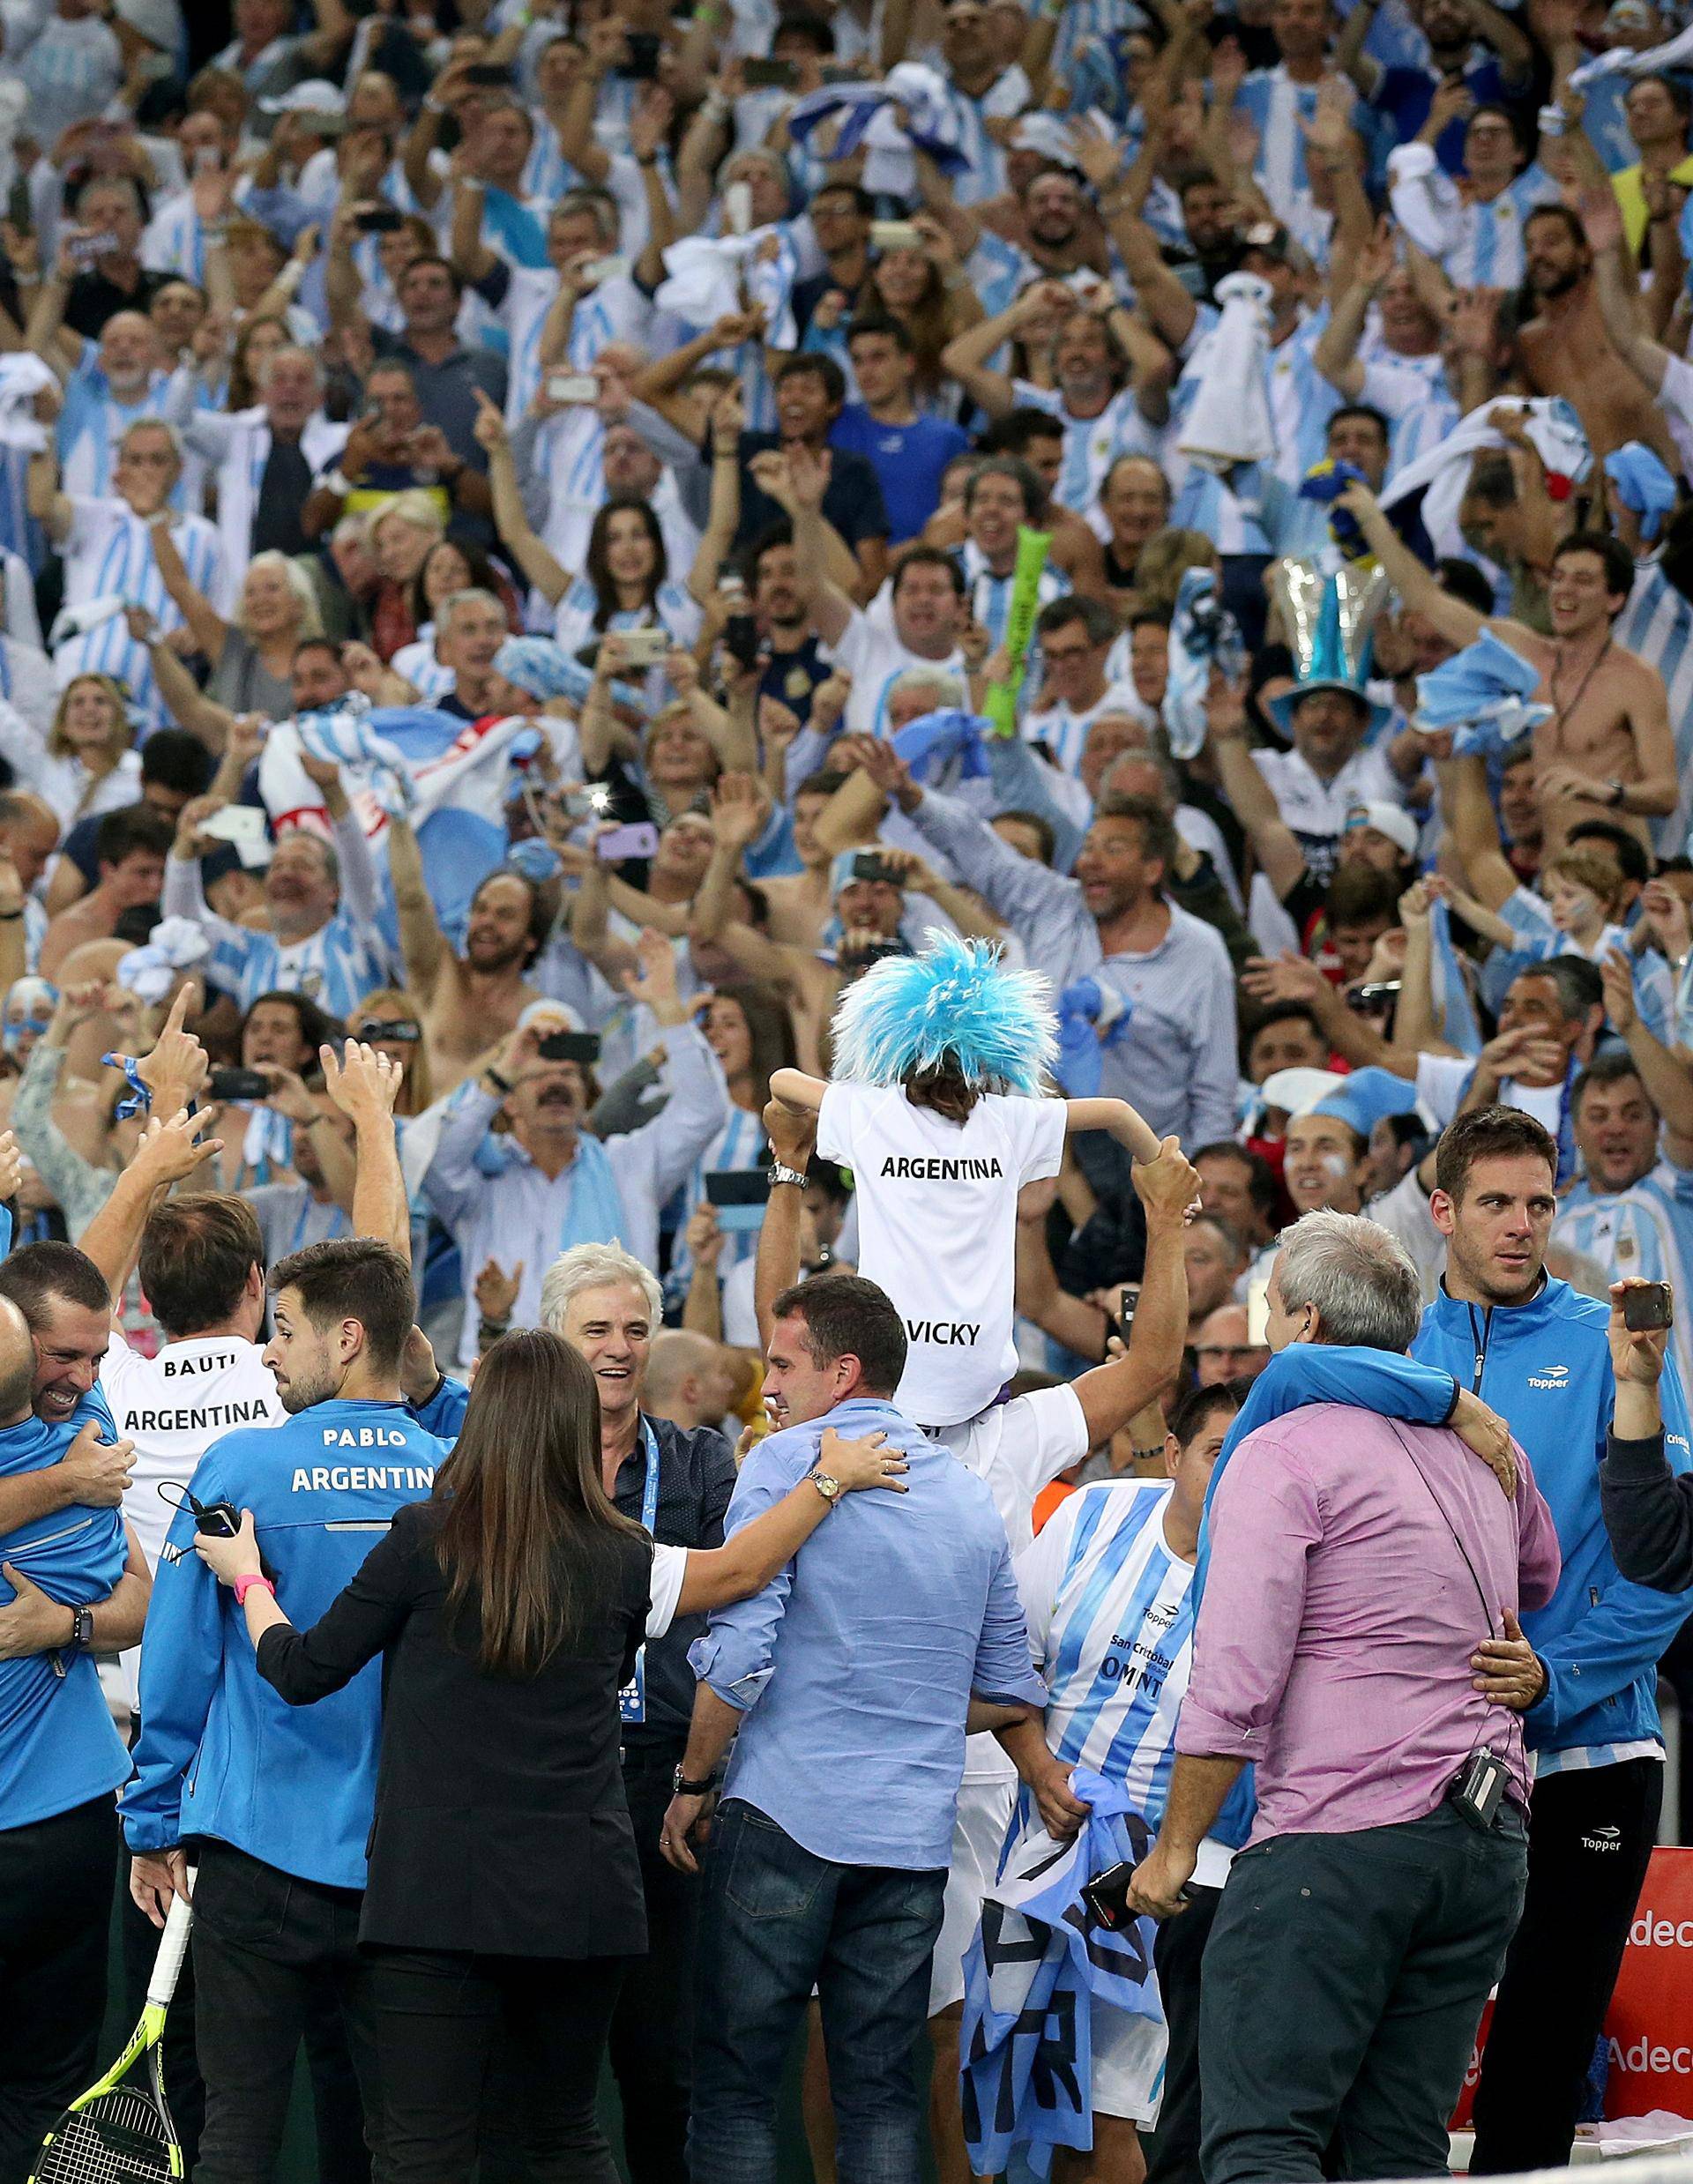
x=173, y=1406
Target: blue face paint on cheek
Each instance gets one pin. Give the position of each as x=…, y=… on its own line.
x=14, y=1034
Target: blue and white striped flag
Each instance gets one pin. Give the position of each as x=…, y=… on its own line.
x=1037, y=1965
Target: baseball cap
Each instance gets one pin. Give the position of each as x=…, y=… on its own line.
x=1366, y=1096
x=1297, y=1092
x=1398, y=826
x=316, y=95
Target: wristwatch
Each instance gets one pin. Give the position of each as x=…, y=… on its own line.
x=82, y=1630
x=681, y=1786
x=828, y=1487
x=779, y=1174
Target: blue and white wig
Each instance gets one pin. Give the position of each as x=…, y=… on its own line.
x=955, y=1003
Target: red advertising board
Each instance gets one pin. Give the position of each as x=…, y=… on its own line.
x=1650, y=2027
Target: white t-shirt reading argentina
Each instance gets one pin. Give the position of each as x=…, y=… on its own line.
x=937, y=1229
x=173, y=1406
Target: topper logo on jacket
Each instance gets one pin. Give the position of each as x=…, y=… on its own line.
x=1550, y=1376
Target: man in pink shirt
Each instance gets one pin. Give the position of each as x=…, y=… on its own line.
x=1357, y=1642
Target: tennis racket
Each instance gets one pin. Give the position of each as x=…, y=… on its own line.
x=119, y=2134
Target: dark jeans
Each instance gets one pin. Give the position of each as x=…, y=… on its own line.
x=1590, y=1834
x=776, y=1921
x=440, y=2014
x=1344, y=1981
x=652, y=2027
x=1172, y=2153
x=276, y=1961
x=55, y=1907
x=337, y=2109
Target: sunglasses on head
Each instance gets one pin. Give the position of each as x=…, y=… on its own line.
x=401, y=1033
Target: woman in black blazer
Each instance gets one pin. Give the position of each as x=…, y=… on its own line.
x=504, y=1893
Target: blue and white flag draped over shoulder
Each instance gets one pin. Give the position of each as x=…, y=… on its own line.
x=1204, y=636
x=1483, y=694
x=1032, y=1973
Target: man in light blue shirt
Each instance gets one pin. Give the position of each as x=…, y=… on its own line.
x=851, y=1679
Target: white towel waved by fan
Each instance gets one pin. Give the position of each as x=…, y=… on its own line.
x=1229, y=420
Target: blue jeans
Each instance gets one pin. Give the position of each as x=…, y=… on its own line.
x=776, y=1921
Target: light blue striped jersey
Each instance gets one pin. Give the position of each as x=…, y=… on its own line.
x=1092, y=444
x=1276, y=105
x=175, y=239
x=869, y=650
x=986, y=175
x=1250, y=512
x=614, y=109
x=1539, y=939
x=94, y=420
x=547, y=172
x=417, y=662
x=1657, y=625
x=1647, y=1230
x=71, y=71
x=673, y=609
x=569, y=453
x=1301, y=400
x=1082, y=20
x=614, y=312
x=1110, y=1619
x=109, y=549
x=336, y=965
x=739, y=1144
x=1412, y=393
x=990, y=596
x=1064, y=731
x=999, y=272
x=1489, y=252
x=18, y=533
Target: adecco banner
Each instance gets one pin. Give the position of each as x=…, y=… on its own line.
x=1650, y=2028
